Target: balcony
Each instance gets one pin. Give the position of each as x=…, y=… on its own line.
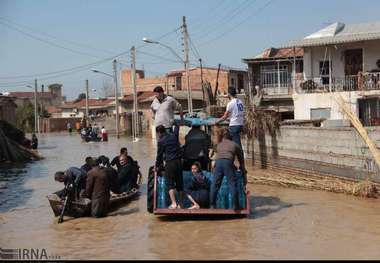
x=364, y=82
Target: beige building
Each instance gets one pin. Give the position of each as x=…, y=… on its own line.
x=340, y=59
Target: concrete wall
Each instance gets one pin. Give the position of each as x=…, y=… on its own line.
x=303, y=103
x=313, y=55
x=337, y=151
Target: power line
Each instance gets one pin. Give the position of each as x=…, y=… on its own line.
x=225, y=19
x=210, y=11
x=235, y=26
x=85, y=66
x=157, y=56
x=57, y=38
x=194, y=49
x=47, y=41
x=210, y=19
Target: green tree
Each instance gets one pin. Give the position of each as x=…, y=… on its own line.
x=25, y=117
x=82, y=96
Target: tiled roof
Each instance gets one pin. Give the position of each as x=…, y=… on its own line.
x=30, y=95
x=276, y=53
x=339, y=33
x=91, y=103
x=53, y=109
x=141, y=96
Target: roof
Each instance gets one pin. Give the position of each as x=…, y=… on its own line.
x=30, y=95
x=53, y=109
x=91, y=103
x=179, y=95
x=222, y=68
x=141, y=96
x=339, y=33
x=276, y=53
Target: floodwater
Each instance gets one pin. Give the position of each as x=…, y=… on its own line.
x=284, y=223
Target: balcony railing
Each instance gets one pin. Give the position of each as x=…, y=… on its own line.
x=367, y=81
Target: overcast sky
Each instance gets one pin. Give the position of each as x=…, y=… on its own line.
x=41, y=37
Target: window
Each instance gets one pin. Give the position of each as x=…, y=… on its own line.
x=271, y=74
x=324, y=72
x=178, y=83
x=299, y=66
x=232, y=82
x=320, y=113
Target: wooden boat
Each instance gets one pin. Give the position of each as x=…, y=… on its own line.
x=82, y=207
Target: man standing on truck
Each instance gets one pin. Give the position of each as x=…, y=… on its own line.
x=169, y=150
x=226, y=152
x=163, y=107
x=234, y=110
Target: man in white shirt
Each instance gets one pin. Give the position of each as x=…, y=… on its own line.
x=163, y=108
x=234, y=110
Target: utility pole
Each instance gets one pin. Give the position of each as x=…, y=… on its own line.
x=116, y=97
x=186, y=50
x=42, y=105
x=203, y=90
x=87, y=114
x=135, y=121
x=36, y=126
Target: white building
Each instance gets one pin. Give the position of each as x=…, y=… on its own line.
x=342, y=59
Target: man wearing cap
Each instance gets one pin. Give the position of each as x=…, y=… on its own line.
x=234, y=110
x=163, y=108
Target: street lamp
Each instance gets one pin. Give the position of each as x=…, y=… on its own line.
x=35, y=107
x=116, y=92
x=186, y=64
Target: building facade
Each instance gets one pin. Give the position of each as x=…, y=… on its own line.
x=340, y=59
x=271, y=75
x=176, y=80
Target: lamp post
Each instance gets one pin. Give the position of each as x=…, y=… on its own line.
x=186, y=64
x=116, y=92
x=35, y=106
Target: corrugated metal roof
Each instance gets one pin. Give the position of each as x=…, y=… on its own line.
x=338, y=33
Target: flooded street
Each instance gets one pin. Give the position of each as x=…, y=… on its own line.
x=284, y=223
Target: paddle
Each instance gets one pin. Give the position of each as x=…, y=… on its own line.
x=69, y=190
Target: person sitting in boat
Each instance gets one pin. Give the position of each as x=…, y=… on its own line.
x=128, y=174
x=226, y=151
x=111, y=173
x=72, y=176
x=198, y=191
x=98, y=189
x=116, y=160
x=169, y=150
x=196, y=148
x=89, y=164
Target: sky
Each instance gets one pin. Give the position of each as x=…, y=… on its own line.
x=60, y=41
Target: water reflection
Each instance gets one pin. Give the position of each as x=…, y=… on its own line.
x=284, y=223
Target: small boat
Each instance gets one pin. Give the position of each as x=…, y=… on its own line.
x=82, y=207
x=91, y=139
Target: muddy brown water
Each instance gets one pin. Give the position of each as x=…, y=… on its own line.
x=284, y=223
